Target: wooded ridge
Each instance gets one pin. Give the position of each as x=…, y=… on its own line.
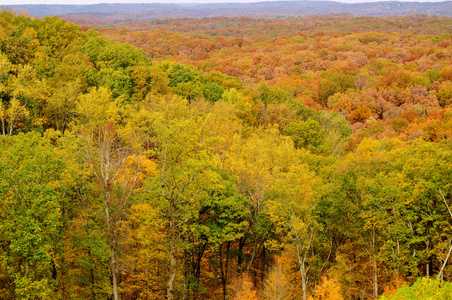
x=231, y=164
x=151, y=11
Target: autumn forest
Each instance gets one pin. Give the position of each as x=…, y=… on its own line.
x=230, y=158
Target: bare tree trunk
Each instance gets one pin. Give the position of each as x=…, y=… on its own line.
x=10, y=131
x=440, y=274
x=3, y=126
x=427, y=266
x=302, y=252
x=112, y=247
x=113, y=273
x=222, y=271
x=111, y=163
x=256, y=249
x=226, y=268
x=375, y=279
x=173, y=261
x=304, y=289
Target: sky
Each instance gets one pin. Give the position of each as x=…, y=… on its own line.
x=84, y=2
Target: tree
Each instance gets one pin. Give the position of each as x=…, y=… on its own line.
x=184, y=172
x=290, y=207
x=270, y=94
x=144, y=259
x=148, y=80
x=222, y=220
x=329, y=289
x=119, y=56
x=305, y=134
x=22, y=105
x=34, y=176
x=61, y=107
x=333, y=82
x=106, y=151
x=423, y=288
x=246, y=290
x=445, y=95
x=212, y=91
x=278, y=284
x=257, y=162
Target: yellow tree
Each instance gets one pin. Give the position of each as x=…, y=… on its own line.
x=245, y=289
x=329, y=289
x=24, y=95
x=291, y=208
x=175, y=138
x=106, y=152
x=145, y=257
x=278, y=285
x=60, y=109
x=256, y=162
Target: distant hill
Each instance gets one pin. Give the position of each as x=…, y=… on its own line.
x=152, y=11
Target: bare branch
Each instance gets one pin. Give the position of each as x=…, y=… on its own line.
x=445, y=202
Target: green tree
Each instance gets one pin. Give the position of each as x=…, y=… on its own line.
x=119, y=56
x=423, y=288
x=222, y=220
x=212, y=91
x=34, y=177
x=270, y=94
x=305, y=134
x=333, y=82
x=117, y=81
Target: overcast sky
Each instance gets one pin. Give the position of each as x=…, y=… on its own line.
x=10, y=2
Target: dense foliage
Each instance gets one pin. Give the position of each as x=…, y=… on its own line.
x=400, y=80
x=325, y=176
x=258, y=28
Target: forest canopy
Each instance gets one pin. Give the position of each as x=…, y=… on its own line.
x=158, y=164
